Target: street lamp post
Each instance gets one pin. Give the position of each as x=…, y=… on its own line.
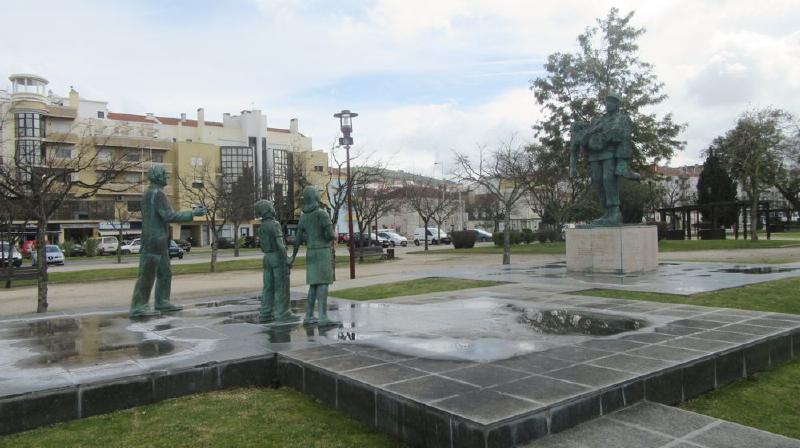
x=346, y=125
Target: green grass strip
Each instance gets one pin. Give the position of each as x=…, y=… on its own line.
x=778, y=296
x=235, y=418
x=97, y=275
x=767, y=401
x=411, y=288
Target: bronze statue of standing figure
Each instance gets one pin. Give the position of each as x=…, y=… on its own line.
x=275, y=297
x=316, y=230
x=154, y=264
x=607, y=141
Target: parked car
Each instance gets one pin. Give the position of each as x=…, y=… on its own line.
x=435, y=236
x=28, y=246
x=9, y=255
x=185, y=245
x=483, y=235
x=175, y=250
x=107, y=245
x=364, y=240
x=77, y=250
x=53, y=255
x=134, y=247
x=225, y=243
x=393, y=237
x=343, y=238
x=251, y=242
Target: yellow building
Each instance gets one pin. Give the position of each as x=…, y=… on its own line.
x=61, y=125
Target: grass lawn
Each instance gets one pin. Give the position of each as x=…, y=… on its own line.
x=234, y=418
x=410, y=288
x=768, y=401
x=663, y=246
x=95, y=275
x=778, y=296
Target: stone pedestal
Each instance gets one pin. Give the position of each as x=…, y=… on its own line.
x=612, y=250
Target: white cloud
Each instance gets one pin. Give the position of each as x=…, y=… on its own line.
x=716, y=58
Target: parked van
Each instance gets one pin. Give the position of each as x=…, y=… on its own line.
x=435, y=236
x=107, y=245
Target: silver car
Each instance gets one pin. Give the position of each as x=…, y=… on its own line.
x=53, y=255
x=9, y=255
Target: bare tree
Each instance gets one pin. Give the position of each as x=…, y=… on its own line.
x=506, y=172
x=73, y=165
x=239, y=207
x=121, y=217
x=206, y=189
x=12, y=218
x=450, y=207
x=485, y=207
x=371, y=201
x=424, y=197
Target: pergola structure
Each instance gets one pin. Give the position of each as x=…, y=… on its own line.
x=687, y=212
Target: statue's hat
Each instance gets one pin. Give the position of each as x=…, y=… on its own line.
x=616, y=95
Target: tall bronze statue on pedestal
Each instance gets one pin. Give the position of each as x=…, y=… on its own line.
x=607, y=141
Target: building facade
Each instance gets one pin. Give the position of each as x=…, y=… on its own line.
x=35, y=121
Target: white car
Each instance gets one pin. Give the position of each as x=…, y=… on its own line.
x=483, y=235
x=434, y=236
x=53, y=255
x=107, y=245
x=393, y=238
x=134, y=247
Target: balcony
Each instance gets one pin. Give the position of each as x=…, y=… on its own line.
x=122, y=188
x=142, y=167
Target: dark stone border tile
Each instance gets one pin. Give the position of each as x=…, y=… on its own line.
x=666, y=388
x=356, y=400
x=35, y=410
x=571, y=414
x=113, y=396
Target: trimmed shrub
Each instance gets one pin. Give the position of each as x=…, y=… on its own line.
x=541, y=236
x=464, y=239
x=90, y=245
x=551, y=235
x=515, y=238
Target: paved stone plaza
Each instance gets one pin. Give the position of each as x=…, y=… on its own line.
x=483, y=367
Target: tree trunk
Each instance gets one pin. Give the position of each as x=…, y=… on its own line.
x=214, y=250
x=119, y=245
x=236, y=240
x=507, y=240
x=754, y=215
x=425, y=231
x=41, y=263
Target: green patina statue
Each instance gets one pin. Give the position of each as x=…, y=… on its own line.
x=275, y=294
x=316, y=230
x=154, y=256
x=607, y=140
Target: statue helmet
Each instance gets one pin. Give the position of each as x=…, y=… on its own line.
x=616, y=95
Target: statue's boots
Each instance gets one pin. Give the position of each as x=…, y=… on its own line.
x=624, y=169
x=142, y=313
x=310, y=319
x=168, y=307
x=614, y=217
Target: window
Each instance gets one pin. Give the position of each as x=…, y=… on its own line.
x=104, y=155
x=197, y=183
x=29, y=152
x=134, y=206
x=29, y=124
x=101, y=114
x=318, y=168
x=62, y=153
x=157, y=157
x=132, y=178
x=234, y=161
x=197, y=161
x=132, y=156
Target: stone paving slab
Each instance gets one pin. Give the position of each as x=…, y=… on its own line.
x=653, y=425
x=670, y=278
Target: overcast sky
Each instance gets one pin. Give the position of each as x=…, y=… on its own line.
x=426, y=76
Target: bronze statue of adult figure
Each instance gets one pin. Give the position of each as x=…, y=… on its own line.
x=316, y=230
x=154, y=263
x=275, y=297
x=607, y=141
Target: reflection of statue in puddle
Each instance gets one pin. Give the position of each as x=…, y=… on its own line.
x=316, y=230
x=275, y=293
x=576, y=322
